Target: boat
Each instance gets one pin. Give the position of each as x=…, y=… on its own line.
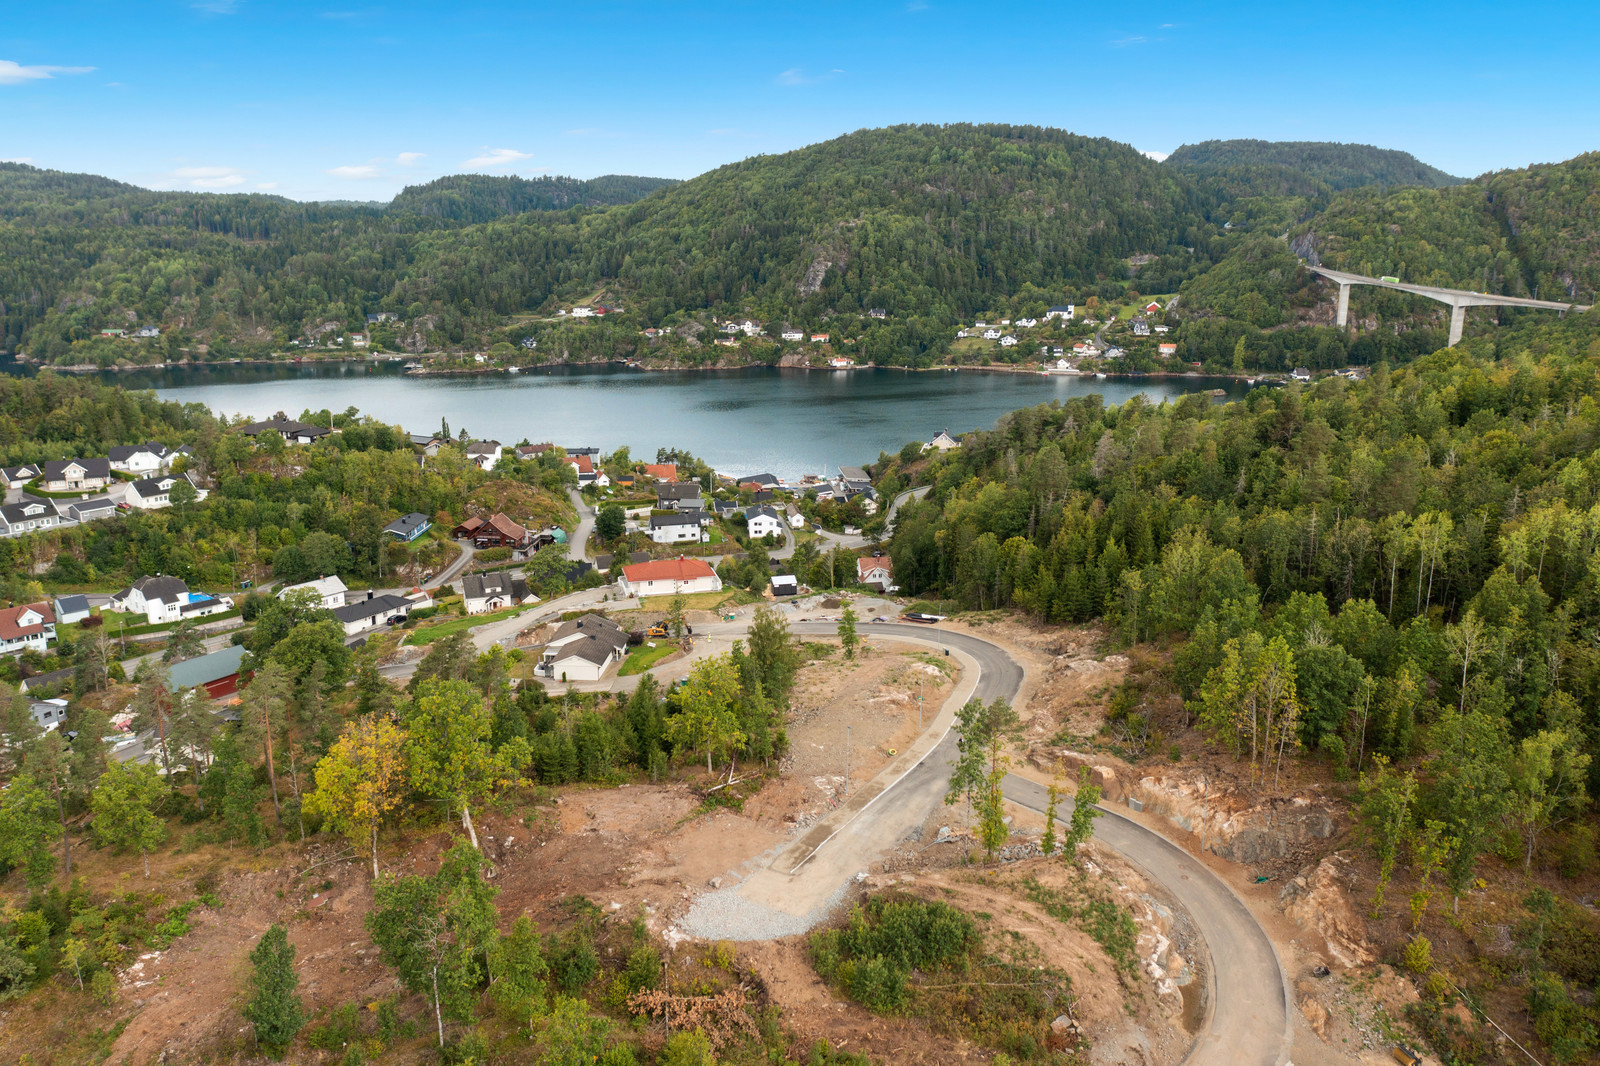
x=1099, y=374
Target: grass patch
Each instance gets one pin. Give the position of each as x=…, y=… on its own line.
x=1109, y=923
x=705, y=601
x=428, y=634
x=644, y=657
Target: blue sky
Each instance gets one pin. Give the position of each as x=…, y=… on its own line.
x=351, y=99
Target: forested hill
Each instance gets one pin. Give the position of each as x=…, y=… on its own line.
x=481, y=197
x=1327, y=163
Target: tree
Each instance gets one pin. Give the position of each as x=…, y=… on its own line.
x=772, y=655
x=447, y=748
x=1547, y=784
x=28, y=826
x=186, y=642
x=847, y=632
x=546, y=569
x=1471, y=787
x=706, y=718
x=152, y=709
x=433, y=931
x=976, y=723
x=992, y=828
x=359, y=780
x=518, y=964
x=1047, y=843
x=1084, y=812
x=674, y=620
x=262, y=721
x=611, y=522
x=193, y=728
x=1386, y=812
x=274, y=1008
x=54, y=765
x=124, y=805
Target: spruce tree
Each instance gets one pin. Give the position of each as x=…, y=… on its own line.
x=274, y=1009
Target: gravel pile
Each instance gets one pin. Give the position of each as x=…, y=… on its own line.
x=726, y=915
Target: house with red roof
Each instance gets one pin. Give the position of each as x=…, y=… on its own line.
x=876, y=571
x=30, y=625
x=669, y=577
x=667, y=472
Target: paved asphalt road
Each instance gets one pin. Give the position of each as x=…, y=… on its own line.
x=578, y=545
x=1466, y=296
x=1249, y=1004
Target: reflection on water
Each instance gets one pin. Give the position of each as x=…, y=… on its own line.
x=789, y=422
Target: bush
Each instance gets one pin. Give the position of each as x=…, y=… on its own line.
x=1418, y=955
x=574, y=961
x=872, y=956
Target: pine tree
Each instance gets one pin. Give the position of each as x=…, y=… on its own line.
x=274, y=1008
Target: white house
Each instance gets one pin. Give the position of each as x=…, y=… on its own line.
x=358, y=340
x=483, y=593
x=796, y=519
x=1300, y=373
x=875, y=570
x=991, y=334
x=485, y=453
x=763, y=522
x=1061, y=311
x=1008, y=341
x=30, y=625
x=167, y=599
x=680, y=527
x=145, y=333
x=154, y=493
x=943, y=441
x=1027, y=323
x=71, y=609
x=372, y=611
x=793, y=335
x=666, y=577
x=142, y=460
x=1168, y=349
x=27, y=517
x=77, y=475
x=584, y=649
x=330, y=590
x=583, y=312
x=819, y=338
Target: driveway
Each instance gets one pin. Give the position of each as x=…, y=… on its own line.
x=578, y=545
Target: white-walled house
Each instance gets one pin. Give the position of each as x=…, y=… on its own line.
x=482, y=593
x=154, y=493
x=667, y=577
x=371, y=611
x=167, y=599
x=875, y=570
x=680, y=527
x=485, y=453
x=330, y=590
x=764, y=521
x=584, y=649
x=30, y=625
x=142, y=460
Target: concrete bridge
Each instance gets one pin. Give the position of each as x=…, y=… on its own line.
x=1458, y=299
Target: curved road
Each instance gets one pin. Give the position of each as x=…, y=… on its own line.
x=1249, y=1021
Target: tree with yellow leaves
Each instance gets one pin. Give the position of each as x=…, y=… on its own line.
x=360, y=780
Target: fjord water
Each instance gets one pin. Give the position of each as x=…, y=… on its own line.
x=787, y=422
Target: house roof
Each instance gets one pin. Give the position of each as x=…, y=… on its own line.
x=285, y=426
x=535, y=449
x=26, y=472
x=424, y=439
x=507, y=528
x=677, y=518
x=868, y=563
x=483, y=447
x=762, y=512
x=205, y=669
x=678, y=490
x=56, y=468
x=765, y=480
x=597, y=639
x=406, y=523
x=11, y=627
x=669, y=570
x=146, y=487
x=853, y=473
x=167, y=589
x=322, y=586
x=54, y=677
x=584, y=464
x=71, y=604
x=124, y=452
x=14, y=513
x=87, y=510
x=662, y=471
x=388, y=603
x=502, y=583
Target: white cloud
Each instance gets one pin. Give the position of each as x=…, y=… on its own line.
x=798, y=76
x=209, y=178
x=407, y=159
x=1126, y=42
x=14, y=73
x=496, y=157
x=1157, y=156
x=356, y=171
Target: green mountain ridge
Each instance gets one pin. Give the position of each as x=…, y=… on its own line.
x=1332, y=164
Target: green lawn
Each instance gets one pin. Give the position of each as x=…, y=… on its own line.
x=644, y=657
x=424, y=635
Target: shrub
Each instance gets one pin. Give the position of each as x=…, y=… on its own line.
x=1418, y=955
x=573, y=961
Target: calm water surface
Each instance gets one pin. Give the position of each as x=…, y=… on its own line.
x=787, y=422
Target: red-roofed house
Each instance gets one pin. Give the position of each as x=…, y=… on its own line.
x=875, y=570
x=669, y=577
x=31, y=625
x=587, y=474
x=662, y=471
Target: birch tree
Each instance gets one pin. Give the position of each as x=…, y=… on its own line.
x=360, y=780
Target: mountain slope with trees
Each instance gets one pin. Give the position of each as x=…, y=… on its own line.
x=1326, y=164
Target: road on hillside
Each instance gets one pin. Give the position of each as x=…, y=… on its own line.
x=578, y=545
x=1248, y=1023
